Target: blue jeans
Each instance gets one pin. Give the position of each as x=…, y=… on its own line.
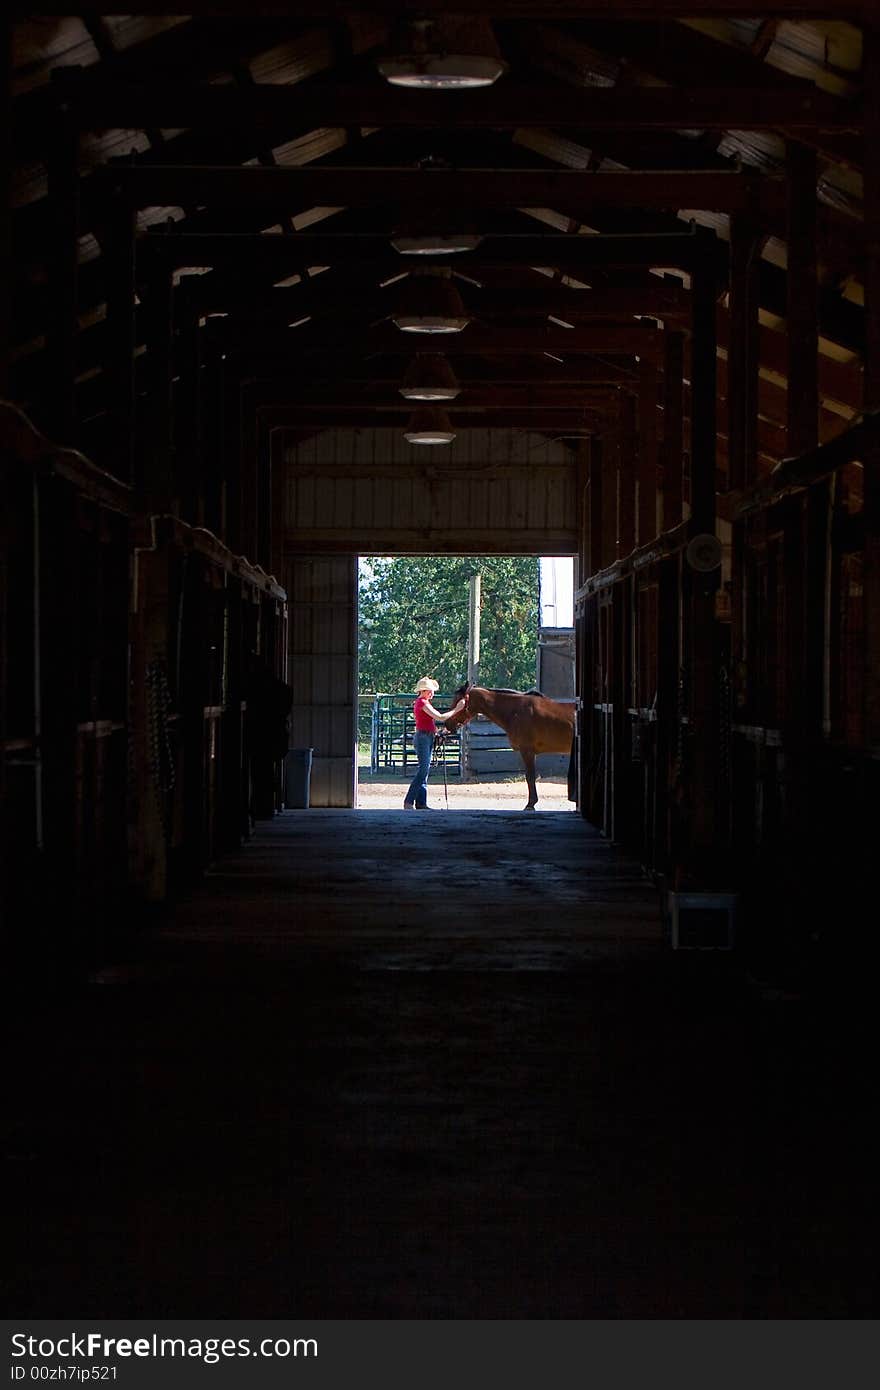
x=418, y=787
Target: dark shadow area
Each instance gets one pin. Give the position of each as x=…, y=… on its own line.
x=442, y=1069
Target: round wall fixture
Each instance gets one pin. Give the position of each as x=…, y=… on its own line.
x=704, y=553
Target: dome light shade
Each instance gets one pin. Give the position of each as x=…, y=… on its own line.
x=429, y=425
x=438, y=244
x=444, y=54
x=428, y=304
x=429, y=377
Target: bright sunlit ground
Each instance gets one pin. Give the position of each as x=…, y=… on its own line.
x=383, y=791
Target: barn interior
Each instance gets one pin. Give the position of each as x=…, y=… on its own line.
x=287, y=284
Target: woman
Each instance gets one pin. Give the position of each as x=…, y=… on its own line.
x=426, y=717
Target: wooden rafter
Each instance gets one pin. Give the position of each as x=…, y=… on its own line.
x=99, y=103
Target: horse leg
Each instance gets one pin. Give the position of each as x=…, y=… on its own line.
x=529, y=765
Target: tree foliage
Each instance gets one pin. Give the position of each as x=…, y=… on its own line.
x=413, y=621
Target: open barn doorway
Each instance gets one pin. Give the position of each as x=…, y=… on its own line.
x=497, y=621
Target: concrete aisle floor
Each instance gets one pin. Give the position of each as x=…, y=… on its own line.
x=437, y=1066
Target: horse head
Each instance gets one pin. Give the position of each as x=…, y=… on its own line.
x=459, y=720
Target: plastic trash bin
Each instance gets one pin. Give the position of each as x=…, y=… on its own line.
x=297, y=777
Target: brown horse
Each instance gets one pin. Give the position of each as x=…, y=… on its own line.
x=533, y=723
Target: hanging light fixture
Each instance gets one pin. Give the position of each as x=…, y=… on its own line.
x=430, y=304
x=444, y=54
x=426, y=233
x=429, y=425
x=421, y=241
x=429, y=377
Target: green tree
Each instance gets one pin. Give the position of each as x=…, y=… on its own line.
x=413, y=621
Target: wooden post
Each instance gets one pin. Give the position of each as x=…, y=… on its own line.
x=703, y=396
x=805, y=564
x=6, y=267
x=189, y=440
x=230, y=435
x=871, y=87
x=742, y=352
x=279, y=490
x=119, y=254
x=212, y=403
x=626, y=473
x=582, y=492
x=249, y=472
x=703, y=865
x=673, y=422
x=156, y=481
x=609, y=455
x=63, y=185
x=263, y=463
x=802, y=306
x=597, y=513
x=647, y=457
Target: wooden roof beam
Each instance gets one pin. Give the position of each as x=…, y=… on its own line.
x=287, y=254
x=100, y=104
x=854, y=10
x=373, y=417
x=347, y=396
x=282, y=305
x=476, y=339
x=312, y=186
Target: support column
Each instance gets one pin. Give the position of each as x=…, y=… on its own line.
x=63, y=186
x=742, y=352
x=704, y=865
x=279, y=490
x=608, y=456
x=871, y=87
x=231, y=444
x=802, y=301
x=582, y=492
x=626, y=466
x=704, y=395
x=807, y=518
x=212, y=404
x=188, y=432
x=673, y=426
x=249, y=461
x=119, y=253
x=597, y=557
x=263, y=482
x=647, y=458
x=6, y=267
x=156, y=481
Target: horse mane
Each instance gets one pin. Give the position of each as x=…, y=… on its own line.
x=508, y=690
x=500, y=690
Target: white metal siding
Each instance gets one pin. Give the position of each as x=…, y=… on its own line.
x=322, y=594
x=491, y=490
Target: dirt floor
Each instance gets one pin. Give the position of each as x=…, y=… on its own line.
x=384, y=791
x=433, y=1066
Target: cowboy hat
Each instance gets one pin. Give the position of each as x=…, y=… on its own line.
x=427, y=684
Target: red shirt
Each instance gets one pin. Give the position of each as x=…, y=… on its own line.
x=424, y=722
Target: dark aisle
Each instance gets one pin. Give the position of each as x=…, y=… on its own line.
x=388, y=1067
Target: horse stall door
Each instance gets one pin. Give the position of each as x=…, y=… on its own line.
x=322, y=593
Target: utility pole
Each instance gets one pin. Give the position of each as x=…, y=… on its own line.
x=473, y=660
x=473, y=655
